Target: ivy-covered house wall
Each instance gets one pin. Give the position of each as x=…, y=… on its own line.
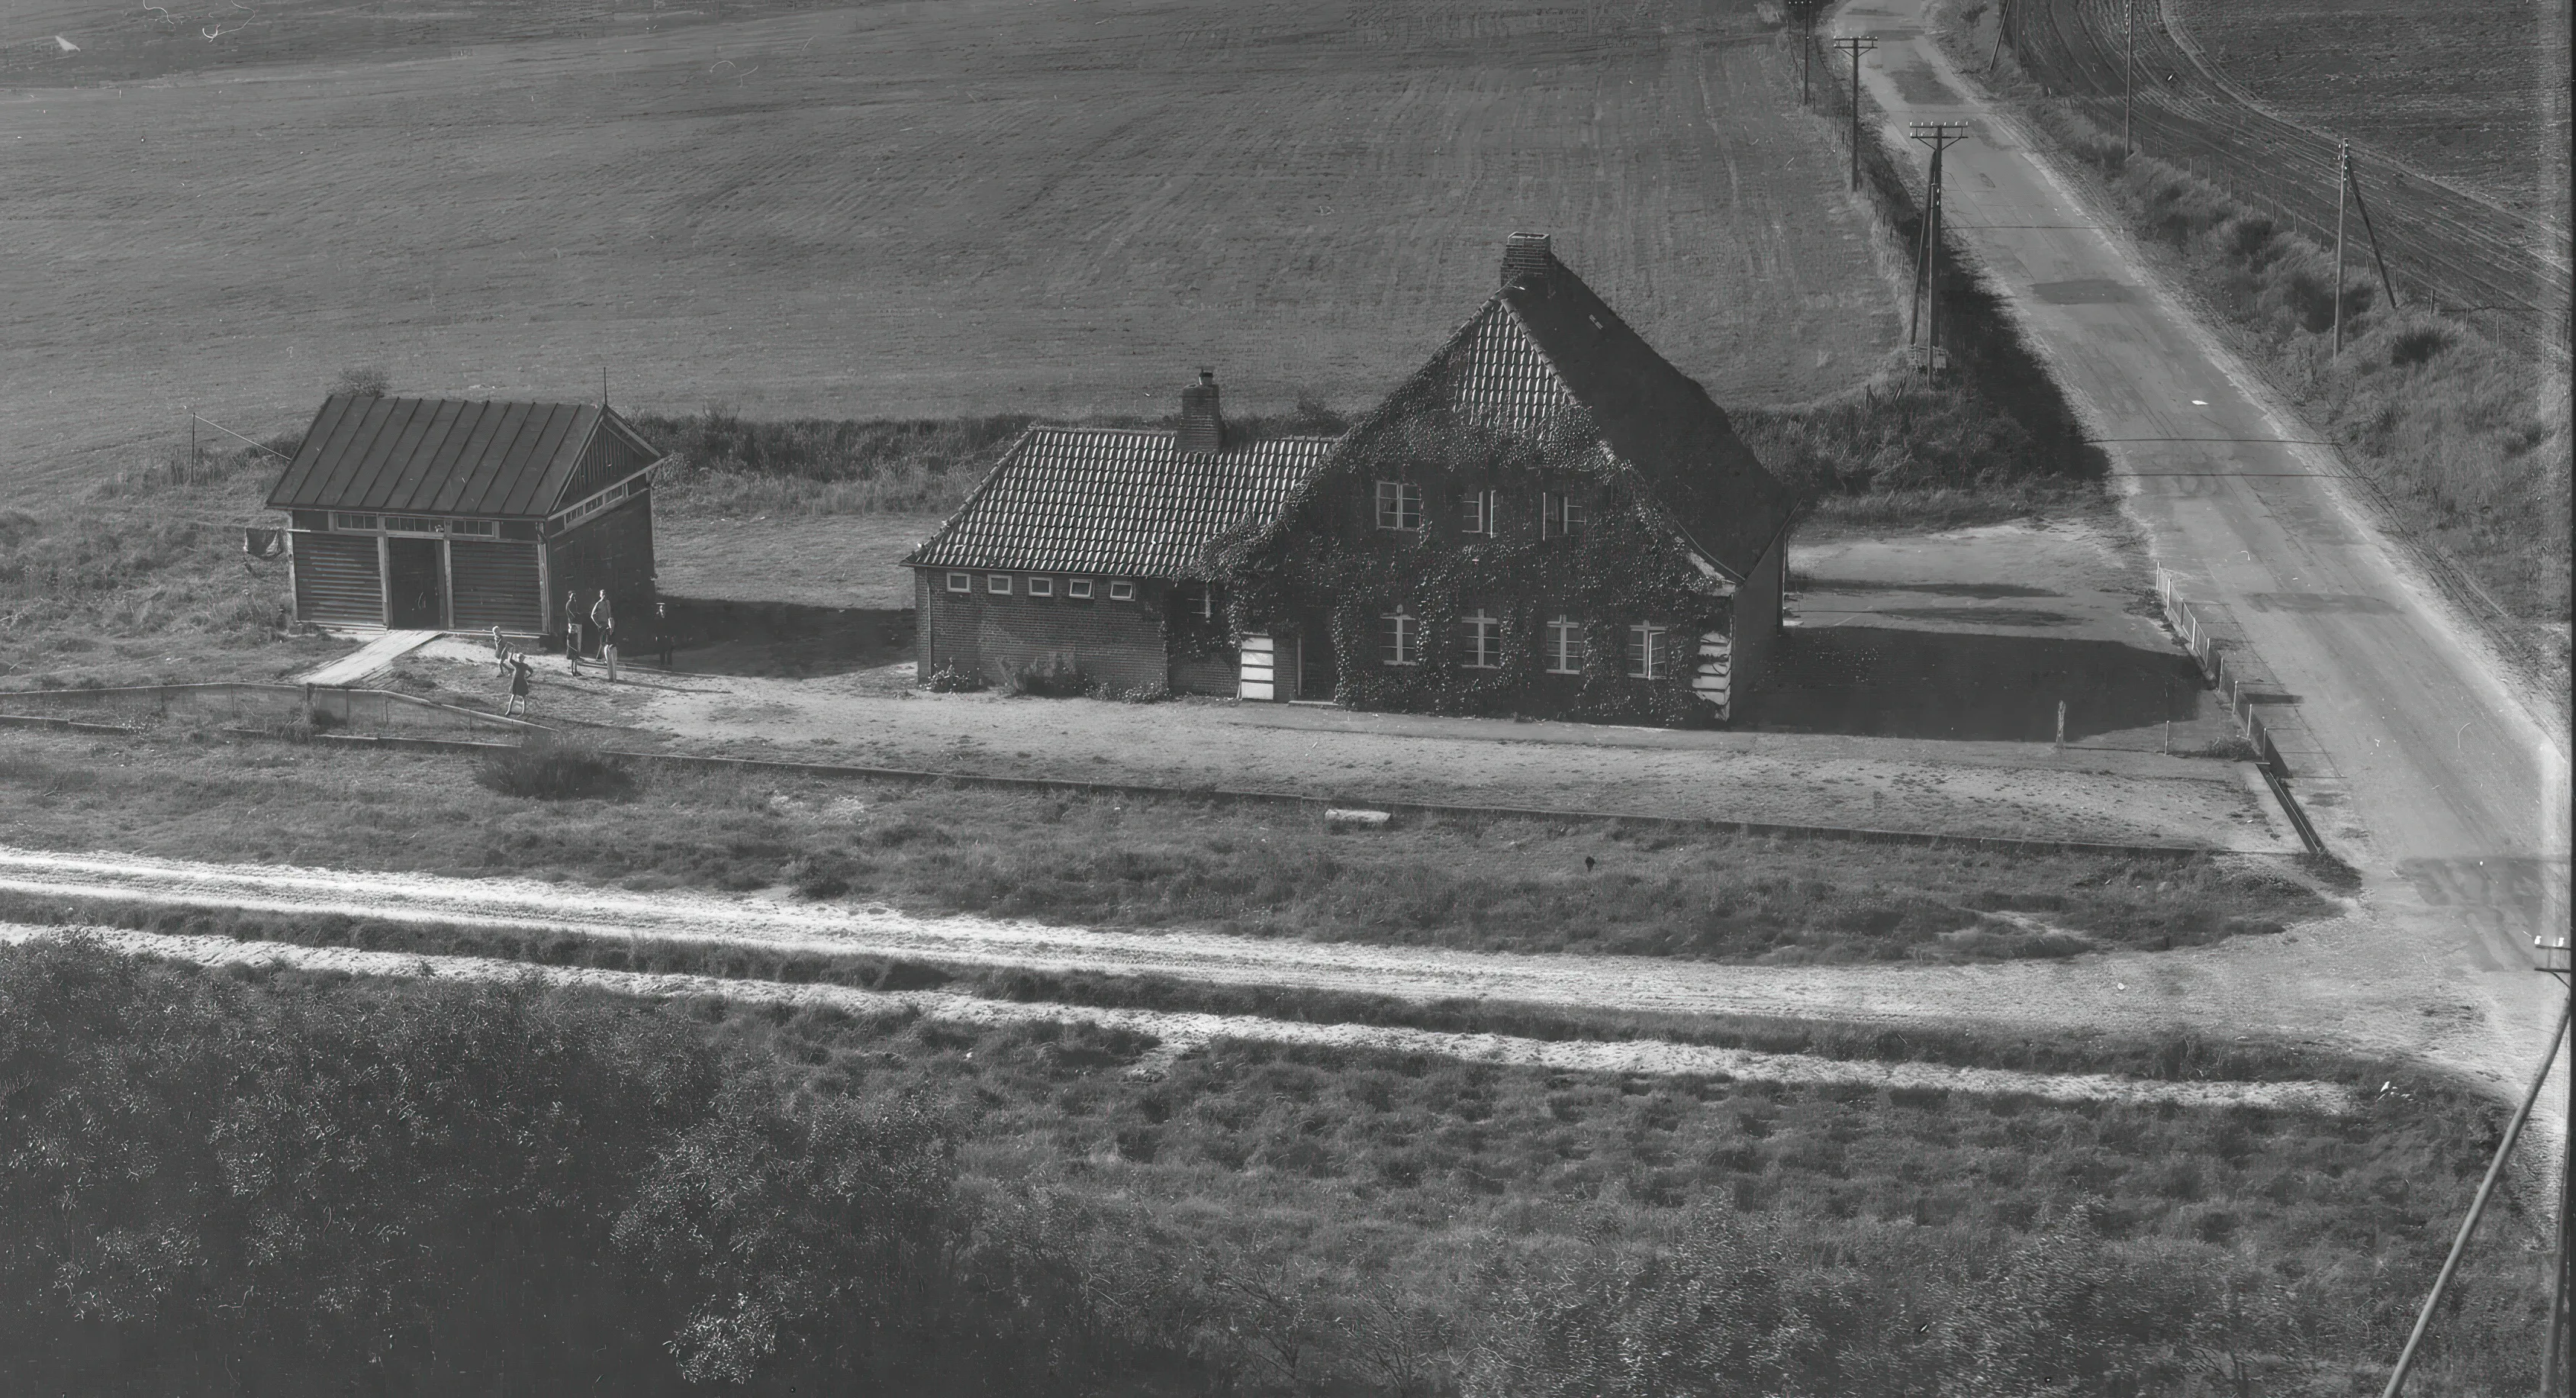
x=1547, y=519
x=1511, y=575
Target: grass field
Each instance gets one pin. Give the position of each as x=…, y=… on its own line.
x=1112, y=860
x=900, y=209
x=2475, y=92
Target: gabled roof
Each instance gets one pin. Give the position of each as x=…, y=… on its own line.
x=1545, y=337
x=443, y=456
x=1116, y=501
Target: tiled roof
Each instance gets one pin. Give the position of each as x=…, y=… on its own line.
x=1547, y=337
x=1117, y=502
x=442, y=456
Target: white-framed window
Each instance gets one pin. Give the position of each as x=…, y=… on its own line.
x=1204, y=604
x=363, y=523
x=998, y=584
x=1649, y=652
x=1399, y=505
x=1399, y=637
x=1476, y=512
x=1480, y=634
x=1121, y=590
x=1041, y=587
x=1561, y=515
x=1079, y=589
x=475, y=528
x=1565, y=653
x=961, y=582
x=412, y=524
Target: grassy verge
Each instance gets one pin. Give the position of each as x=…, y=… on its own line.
x=146, y=582
x=1115, y=860
x=722, y=1192
x=2464, y=436
x=2174, y=1056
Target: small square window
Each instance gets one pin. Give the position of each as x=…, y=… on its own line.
x=960, y=582
x=998, y=584
x=1041, y=587
x=1120, y=590
x=1079, y=589
x=1399, y=505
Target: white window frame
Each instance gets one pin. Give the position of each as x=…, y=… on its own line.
x=418, y=525
x=1041, y=587
x=1399, y=506
x=354, y=523
x=1476, y=513
x=1121, y=590
x=581, y=510
x=961, y=582
x=1561, y=515
x=1207, y=601
x=998, y=584
x=1566, y=645
x=475, y=528
x=1077, y=589
x=1649, y=655
x=1406, y=630
x=1483, y=633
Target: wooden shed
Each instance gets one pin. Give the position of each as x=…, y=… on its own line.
x=460, y=515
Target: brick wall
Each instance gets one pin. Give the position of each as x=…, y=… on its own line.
x=1117, y=643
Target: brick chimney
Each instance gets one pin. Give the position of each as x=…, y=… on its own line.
x=1202, y=426
x=1525, y=254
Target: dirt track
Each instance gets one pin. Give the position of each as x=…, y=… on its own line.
x=2285, y=987
x=1181, y=1032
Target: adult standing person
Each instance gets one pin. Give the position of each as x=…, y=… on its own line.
x=572, y=631
x=662, y=631
x=602, y=618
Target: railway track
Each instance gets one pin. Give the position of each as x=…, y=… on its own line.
x=2441, y=244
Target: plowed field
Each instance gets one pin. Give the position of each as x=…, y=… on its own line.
x=2442, y=238
x=896, y=209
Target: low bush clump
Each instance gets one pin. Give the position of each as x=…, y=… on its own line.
x=948, y=679
x=552, y=770
x=1052, y=678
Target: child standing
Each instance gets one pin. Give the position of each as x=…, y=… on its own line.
x=521, y=680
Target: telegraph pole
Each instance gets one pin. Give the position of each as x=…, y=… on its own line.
x=1856, y=45
x=2003, y=26
x=1803, y=14
x=1940, y=136
x=2343, y=192
x=2352, y=181
x=2556, y=1378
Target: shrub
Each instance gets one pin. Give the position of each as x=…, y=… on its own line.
x=365, y=380
x=948, y=679
x=1052, y=678
x=545, y=769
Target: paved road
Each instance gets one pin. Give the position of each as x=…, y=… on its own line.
x=2436, y=781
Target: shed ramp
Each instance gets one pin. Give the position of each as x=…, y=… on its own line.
x=368, y=661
